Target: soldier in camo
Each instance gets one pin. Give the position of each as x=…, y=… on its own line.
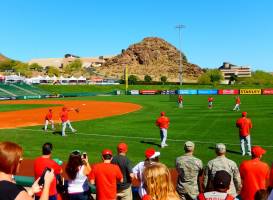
x=190, y=174
x=223, y=163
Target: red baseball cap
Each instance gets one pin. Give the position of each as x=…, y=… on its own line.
x=257, y=151
x=107, y=152
x=162, y=113
x=244, y=114
x=151, y=153
x=64, y=108
x=122, y=147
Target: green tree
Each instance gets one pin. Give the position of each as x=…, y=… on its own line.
x=204, y=79
x=132, y=79
x=148, y=78
x=7, y=65
x=23, y=69
x=163, y=79
x=211, y=76
x=51, y=71
x=36, y=67
x=74, y=66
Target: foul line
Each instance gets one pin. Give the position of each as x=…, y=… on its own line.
x=145, y=138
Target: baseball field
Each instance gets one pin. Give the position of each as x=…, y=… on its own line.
x=132, y=120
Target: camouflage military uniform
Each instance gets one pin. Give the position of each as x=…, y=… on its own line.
x=223, y=163
x=188, y=168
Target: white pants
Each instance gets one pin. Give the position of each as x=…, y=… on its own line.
x=237, y=107
x=47, y=122
x=180, y=105
x=64, y=127
x=245, y=141
x=163, y=136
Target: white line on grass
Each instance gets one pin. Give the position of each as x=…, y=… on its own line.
x=145, y=138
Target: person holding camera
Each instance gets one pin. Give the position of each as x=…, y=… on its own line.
x=77, y=170
x=11, y=158
x=43, y=162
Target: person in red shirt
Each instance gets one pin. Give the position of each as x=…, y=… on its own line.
x=237, y=103
x=254, y=174
x=65, y=120
x=105, y=176
x=210, y=101
x=163, y=123
x=180, y=101
x=244, y=124
x=41, y=163
x=49, y=119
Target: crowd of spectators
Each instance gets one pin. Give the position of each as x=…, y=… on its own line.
x=219, y=179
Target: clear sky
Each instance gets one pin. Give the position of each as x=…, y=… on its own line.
x=237, y=31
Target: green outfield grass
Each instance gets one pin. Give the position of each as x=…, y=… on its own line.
x=195, y=122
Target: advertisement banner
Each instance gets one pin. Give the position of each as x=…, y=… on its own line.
x=148, y=92
x=228, y=91
x=250, y=91
x=267, y=91
x=186, y=91
x=167, y=92
x=134, y=92
x=207, y=91
x=32, y=97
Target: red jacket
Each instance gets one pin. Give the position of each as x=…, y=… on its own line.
x=163, y=122
x=238, y=100
x=244, y=124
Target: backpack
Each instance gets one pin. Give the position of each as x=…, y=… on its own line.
x=201, y=196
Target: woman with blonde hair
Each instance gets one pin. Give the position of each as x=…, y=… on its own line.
x=158, y=183
x=10, y=160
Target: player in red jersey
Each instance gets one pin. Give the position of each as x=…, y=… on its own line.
x=163, y=123
x=49, y=119
x=237, y=104
x=65, y=120
x=210, y=101
x=180, y=101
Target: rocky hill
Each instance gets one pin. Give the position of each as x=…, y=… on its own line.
x=152, y=56
x=3, y=58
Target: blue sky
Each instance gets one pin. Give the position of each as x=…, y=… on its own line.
x=238, y=31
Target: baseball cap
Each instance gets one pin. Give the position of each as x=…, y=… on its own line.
x=189, y=145
x=107, y=152
x=122, y=147
x=64, y=108
x=151, y=153
x=220, y=148
x=162, y=113
x=221, y=179
x=257, y=151
x=244, y=114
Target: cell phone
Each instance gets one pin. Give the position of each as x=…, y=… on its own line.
x=42, y=178
x=84, y=154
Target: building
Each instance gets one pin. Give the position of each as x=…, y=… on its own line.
x=229, y=70
x=68, y=58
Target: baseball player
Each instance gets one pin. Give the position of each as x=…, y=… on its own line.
x=49, y=119
x=180, y=101
x=237, y=103
x=65, y=120
x=210, y=101
x=163, y=123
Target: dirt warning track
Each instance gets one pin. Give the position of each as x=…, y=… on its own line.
x=88, y=110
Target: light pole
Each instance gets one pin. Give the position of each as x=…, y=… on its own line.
x=179, y=27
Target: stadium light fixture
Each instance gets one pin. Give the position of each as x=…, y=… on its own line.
x=179, y=27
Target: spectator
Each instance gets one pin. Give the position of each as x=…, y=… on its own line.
x=158, y=183
x=124, y=188
x=77, y=170
x=261, y=195
x=106, y=175
x=221, y=183
x=152, y=156
x=41, y=163
x=10, y=160
x=223, y=163
x=244, y=124
x=190, y=174
x=254, y=174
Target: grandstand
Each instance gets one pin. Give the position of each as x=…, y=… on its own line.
x=19, y=89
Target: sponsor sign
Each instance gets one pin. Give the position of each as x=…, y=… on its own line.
x=250, y=91
x=32, y=97
x=167, y=92
x=134, y=92
x=7, y=98
x=228, y=91
x=207, y=91
x=267, y=91
x=186, y=91
x=148, y=91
